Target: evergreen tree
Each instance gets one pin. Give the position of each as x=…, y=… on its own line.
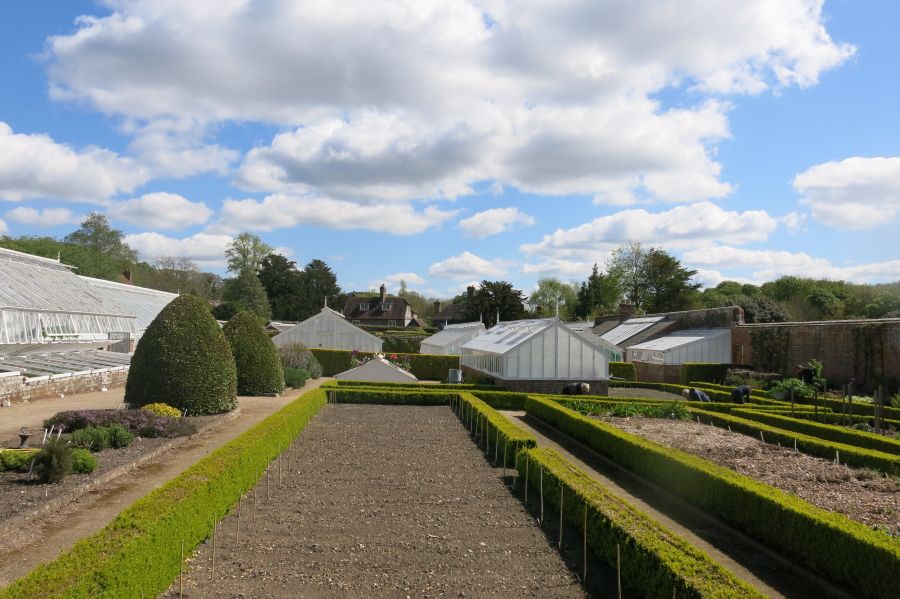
x=493, y=297
x=667, y=284
x=245, y=292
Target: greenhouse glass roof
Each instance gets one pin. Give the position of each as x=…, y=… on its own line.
x=144, y=303
x=64, y=362
x=630, y=328
x=504, y=336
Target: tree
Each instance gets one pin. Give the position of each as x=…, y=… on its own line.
x=320, y=283
x=553, y=298
x=246, y=253
x=599, y=294
x=493, y=297
x=284, y=286
x=96, y=234
x=184, y=360
x=258, y=364
x=667, y=285
x=245, y=292
x=627, y=264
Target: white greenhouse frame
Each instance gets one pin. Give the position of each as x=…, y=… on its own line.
x=451, y=338
x=689, y=345
x=329, y=330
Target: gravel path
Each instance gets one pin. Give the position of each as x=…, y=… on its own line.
x=382, y=501
x=860, y=494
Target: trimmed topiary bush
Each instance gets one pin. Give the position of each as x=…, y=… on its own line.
x=83, y=462
x=295, y=377
x=258, y=364
x=184, y=360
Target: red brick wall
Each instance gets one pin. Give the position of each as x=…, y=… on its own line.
x=865, y=350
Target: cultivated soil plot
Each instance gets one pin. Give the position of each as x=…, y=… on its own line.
x=385, y=501
x=863, y=495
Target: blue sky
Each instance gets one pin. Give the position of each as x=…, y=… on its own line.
x=449, y=142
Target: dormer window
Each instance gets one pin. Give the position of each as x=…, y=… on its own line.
x=386, y=306
x=365, y=307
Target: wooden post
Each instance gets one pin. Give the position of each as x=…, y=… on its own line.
x=619, y=571
x=561, y=489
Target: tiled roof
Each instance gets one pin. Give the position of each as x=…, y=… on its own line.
x=353, y=309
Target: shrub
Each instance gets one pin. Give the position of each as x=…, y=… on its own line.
x=16, y=459
x=432, y=367
x=623, y=370
x=259, y=369
x=784, y=386
x=669, y=410
x=703, y=371
x=162, y=409
x=119, y=436
x=141, y=422
x=53, y=461
x=184, y=360
x=83, y=462
x=333, y=361
x=94, y=438
x=295, y=355
x=295, y=377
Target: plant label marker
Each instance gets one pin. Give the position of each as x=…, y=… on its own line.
x=761, y=438
x=837, y=457
x=795, y=444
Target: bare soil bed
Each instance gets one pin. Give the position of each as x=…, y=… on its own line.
x=645, y=393
x=380, y=501
x=19, y=496
x=863, y=495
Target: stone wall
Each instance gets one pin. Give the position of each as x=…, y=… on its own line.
x=17, y=388
x=867, y=351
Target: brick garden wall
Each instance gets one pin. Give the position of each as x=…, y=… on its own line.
x=867, y=351
x=657, y=373
x=20, y=388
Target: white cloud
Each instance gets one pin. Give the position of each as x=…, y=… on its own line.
x=204, y=249
x=679, y=227
x=494, y=221
x=855, y=193
x=420, y=100
x=2, y=226
x=160, y=211
x=281, y=210
x=467, y=266
x=408, y=277
x=172, y=148
x=562, y=269
x=35, y=166
x=47, y=217
x=793, y=221
x=768, y=265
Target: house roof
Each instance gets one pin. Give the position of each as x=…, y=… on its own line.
x=679, y=339
x=393, y=308
x=450, y=312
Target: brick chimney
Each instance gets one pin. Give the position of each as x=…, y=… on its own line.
x=126, y=274
x=626, y=310
x=470, y=291
x=383, y=290
x=437, y=307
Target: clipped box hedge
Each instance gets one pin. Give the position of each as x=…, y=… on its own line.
x=862, y=409
x=714, y=394
x=703, y=371
x=838, y=548
x=424, y=366
x=623, y=370
x=655, y=562
x=139, y=553
x=839, y=434
x=491, y=429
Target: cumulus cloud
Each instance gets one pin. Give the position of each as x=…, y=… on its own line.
x=35, y=166
x=176, y=148
x=494, y=221
x=160, y=211
x=561, y=269
x=281, y=210
x=467, y=266
x=2, y=226
x=47, y=217
x=408, y=277
x=679, y=227
x=420, y=100
x=855, y=193
x=767, y=265
x=205, y=249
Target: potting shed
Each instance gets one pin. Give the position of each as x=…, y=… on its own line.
x=329, y=330
x=451, y=338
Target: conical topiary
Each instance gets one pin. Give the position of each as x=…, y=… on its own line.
x=183, y=360
x=259, y=368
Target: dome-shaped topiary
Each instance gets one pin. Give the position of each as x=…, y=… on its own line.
x=259, y=368
x=184, y=360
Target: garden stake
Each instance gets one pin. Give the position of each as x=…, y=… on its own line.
x=268, y=494
x=238, y=539
x=619, y=570
x=542, y=494
x=279, y=473
x=584, y=546
x=515, y=467
x=837, y=457
x=761, y=438
x=496, y=446
x=505, y=443
x=729, y=428
x=526, y=477
x=181, y=572
x=561, y=489
x=212, y=570
x=795, y=444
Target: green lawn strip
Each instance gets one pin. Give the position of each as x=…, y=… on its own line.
x=140, y=550
x=491, y=429
x=829, y=543
x=823, y=431
x=655, y=562
x=386, y=396
x=852, y=455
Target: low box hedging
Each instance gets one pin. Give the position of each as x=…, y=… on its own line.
x=491, y=429
x=823, y=431
x=623, y=370
x=139, y=552
x=714, y=394
x=381, y=395
x=863, y=409
x=655, y=562
x=827, y=542
x=849, y=454
x=841, y=419
x=703, y=371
